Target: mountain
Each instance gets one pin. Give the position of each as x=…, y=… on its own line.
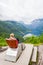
x=36, y=27
x=8, y=27
x=19, y=28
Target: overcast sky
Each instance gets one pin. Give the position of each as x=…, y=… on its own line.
x=21, y=10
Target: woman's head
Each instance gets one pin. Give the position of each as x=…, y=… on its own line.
x=12, y=35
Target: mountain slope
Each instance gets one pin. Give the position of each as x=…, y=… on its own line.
x=36, y=26
x=12, y=27
x=7, y=27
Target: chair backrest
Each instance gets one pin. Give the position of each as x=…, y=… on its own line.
x=12, y=43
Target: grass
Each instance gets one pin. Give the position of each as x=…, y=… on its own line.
x=3, y=44
x=35, y=40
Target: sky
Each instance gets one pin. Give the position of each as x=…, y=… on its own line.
x=21, y=10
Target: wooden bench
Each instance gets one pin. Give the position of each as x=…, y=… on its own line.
x=26, y=55
x=34, y=56
x=24, y=59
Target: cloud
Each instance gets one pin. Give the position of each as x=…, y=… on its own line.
x=25, y=10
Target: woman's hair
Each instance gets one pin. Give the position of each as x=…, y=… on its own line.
x=12, y=35
x=17, y=39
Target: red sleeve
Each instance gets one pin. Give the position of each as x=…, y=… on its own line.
x=17, y=42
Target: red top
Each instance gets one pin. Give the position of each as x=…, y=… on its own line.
x=12, y=43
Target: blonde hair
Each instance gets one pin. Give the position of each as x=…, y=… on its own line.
x=12, y=35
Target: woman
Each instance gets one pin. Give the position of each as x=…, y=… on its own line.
x=12, y=41
x=12, y=37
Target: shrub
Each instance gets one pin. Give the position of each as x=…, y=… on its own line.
x=33, y=39
x=41, y=38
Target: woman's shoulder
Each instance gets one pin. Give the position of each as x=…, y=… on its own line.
x=12, y=38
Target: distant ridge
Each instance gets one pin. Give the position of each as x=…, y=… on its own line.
x=36, y=26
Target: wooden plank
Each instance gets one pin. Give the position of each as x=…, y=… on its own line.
x=34, y=56
x=26, y=55
x=24, y=59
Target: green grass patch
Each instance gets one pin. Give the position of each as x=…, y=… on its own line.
x=3, y=42
x=36, y=40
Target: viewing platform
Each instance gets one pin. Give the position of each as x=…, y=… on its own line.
x=24, y=58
